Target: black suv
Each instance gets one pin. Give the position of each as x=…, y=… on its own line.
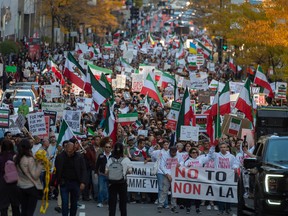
x=263, y=183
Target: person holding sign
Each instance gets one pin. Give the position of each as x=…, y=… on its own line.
x=194, y=160
x=223, y=160
x=168, y=161
x=23, y=108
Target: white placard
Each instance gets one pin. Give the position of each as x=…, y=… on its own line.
x=73, y=119
x=204, y=184
x=141, y=179
x=58, y=107
x=143, y=132
x=36, y=122
x=120, y=81
x=188, y=133
x=52, y=91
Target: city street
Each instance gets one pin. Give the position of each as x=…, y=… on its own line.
x=90, y=209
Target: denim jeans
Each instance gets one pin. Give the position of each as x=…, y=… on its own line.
x=160, y=178
x=103, y=188
x=71, y=188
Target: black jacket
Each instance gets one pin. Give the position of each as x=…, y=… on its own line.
x=101, y=163
x=80, y=167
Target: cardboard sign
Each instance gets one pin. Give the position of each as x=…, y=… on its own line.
x=36, y=122
x=189, y=133
x=226, y=125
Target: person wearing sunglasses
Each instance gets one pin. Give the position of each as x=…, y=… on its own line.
x=194, y=160
x=102, y=177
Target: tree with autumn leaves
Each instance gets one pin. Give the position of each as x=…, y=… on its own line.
x=68, y=14
x=256, y=34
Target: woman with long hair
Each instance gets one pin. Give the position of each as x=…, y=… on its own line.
x=9, y=191
x=29, y=171
x=118, y=187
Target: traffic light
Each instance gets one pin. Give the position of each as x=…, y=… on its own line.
x=225, y=46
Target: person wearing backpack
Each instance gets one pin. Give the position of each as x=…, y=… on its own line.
x=9, y=191
x=117, y=168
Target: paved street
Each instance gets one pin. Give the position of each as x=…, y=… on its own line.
x=90, y=209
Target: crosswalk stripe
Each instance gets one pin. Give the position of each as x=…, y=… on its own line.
x=82, y=214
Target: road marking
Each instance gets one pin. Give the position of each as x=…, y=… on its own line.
x=82, y=214
x=82, y=206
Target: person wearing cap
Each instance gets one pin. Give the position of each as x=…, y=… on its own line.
x=166, y=163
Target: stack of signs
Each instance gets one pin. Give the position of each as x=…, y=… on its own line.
x=172, y=117
x=281, y=90
x=4, y=118
x=36, y=122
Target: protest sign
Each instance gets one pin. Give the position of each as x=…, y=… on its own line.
x=232, y=129
x=201, y=122
x=58, y=107
x=47, y=124
x=172, y=117
x=188, y=133
x=13, y=128
x=52, y=116
x=36, y=122
x=141, y=179
x=4, y=118
x=137, y=82
x=11, y=69
x=198, y=82
x=281, y=90
x=52, y=91
x=84, y=104
x=204, y=184
x=20, y=121
x=143, y=132
x=73, y=119
x=120, y=81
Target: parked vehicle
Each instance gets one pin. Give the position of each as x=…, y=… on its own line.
x=265, y=192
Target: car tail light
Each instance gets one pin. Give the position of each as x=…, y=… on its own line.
x=271, y=182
